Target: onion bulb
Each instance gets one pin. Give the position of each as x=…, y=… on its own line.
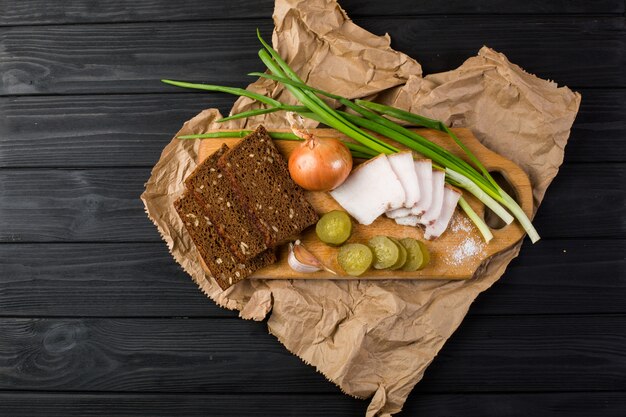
x=319, y=164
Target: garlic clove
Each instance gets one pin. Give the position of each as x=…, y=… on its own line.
x=301, y=260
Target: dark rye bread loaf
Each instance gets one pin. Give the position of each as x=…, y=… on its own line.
x=223, y=207
x=260, y=176
x=212, y=249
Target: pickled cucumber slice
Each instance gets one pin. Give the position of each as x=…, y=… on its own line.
x=414, y=252
x=418, y=255
x=386, y=252
x=402, y=254
x=425, y=253
x=355, y=258
x=334, y=227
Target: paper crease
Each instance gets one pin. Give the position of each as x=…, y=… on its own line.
x=374, y=338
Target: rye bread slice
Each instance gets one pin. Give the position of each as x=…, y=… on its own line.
x=214, y=252
x=260, y=176
x=223, y=207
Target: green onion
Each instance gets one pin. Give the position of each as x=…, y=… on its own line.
x=382, y=125
x=276, y=65
x=257, y=112
x=505, y=199
x=358, y=151
x=467, y=183
x=473, y=188
x=221, y=89
x=418, y=120
x=329, y=117
x=475, y=179
x=251, y=113
x=238, y=134
x=475, y=218
x=428, y=148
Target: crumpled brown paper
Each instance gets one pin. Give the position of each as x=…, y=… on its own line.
x=374, y=337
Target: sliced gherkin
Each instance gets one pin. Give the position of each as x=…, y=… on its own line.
x=355, y=258
x=402, y=254
x=386, y=252
x=334, y=227
x=418, y=255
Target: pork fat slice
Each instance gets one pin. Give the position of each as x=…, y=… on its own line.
x=400, y=212
x=370, y=190
x=430, y=216
x=450, y=199
x=408, y=220
x=424, y=171
x=402, y=165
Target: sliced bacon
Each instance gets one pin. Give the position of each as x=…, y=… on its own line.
x=450, y=200
x=371, y=189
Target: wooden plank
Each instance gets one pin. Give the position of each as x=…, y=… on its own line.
x=561, y=277
x=482, y=7
x=547, y=47
x=102, y=205
x=565, y=213
x=599, y=130
x=86, y=279
x=507, y=354
x=95, y=131
x=582, y=404
x=38, y=12
x=142, y=280
x=125, y=58
x=80, y=11
x=554, y=348
x=195, y=405
x=131, y=130
x=177, y=355
x=29, y=404
x=74, y=205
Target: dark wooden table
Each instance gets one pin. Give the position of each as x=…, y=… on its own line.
x=97, y=319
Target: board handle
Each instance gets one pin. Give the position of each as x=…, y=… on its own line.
x=522, y=191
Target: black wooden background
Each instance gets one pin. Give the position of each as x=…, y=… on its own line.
x=97, y=319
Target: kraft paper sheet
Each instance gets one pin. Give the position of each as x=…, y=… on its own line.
x=374, y=338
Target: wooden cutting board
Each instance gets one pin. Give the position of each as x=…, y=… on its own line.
x=456, y=254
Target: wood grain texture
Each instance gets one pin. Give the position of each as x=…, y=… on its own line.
x=73, y=205
x=443, y=263
x=83, y=11
x=102, y=205
x=578, y=52
x=547, y=342
x=38, y=12
x=174, y=355
x=118, y=280
x=563, y=213
x=131, y=130
x=194, y=405
x=560, y=277
x=125, y=58
x=95, y=131
x=555, y=347
x=142, y=280
x=505, y=354
x=599, y=130
x=607, y=404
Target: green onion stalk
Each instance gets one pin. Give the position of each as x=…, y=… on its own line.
x=483, y=187
x=357, y=151
x=369, y=115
